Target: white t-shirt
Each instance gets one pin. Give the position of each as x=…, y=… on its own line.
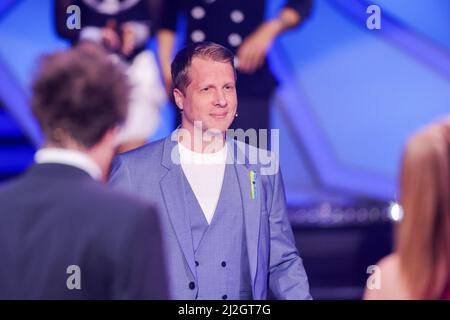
x=205, y=173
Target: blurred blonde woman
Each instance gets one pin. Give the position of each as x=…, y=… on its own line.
x=419, y=268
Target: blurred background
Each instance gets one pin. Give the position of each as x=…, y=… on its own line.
x=348, y=99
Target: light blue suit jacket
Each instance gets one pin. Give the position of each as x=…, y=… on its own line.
x=273, y=258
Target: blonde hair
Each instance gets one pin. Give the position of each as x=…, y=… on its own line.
x=423, y=237
x=206, y=50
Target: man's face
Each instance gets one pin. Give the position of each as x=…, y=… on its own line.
x=210, y=97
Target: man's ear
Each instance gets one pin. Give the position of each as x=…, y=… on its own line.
x=179, y=98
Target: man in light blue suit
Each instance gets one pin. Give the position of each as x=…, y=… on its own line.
x=223, y=211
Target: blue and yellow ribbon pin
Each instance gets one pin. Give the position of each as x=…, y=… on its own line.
x=253, y=184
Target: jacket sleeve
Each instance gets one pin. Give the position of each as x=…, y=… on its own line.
x=169, y=15
x=153, y=10
x=119, y=176
x=303, y=7
x=287, y=276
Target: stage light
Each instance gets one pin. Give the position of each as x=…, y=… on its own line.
x=395, y=212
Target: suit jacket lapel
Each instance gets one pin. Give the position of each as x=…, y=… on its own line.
x=171, y=187
x=251, y=207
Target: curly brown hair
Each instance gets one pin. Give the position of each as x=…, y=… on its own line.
x=79, y=93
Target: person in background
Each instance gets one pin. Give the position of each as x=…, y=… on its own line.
x=64, y=234
x=240, y=26
x=419, y=268
x=123, y=27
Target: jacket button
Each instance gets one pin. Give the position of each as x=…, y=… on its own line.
x=197, y=264
x=192, y=285
x=224, y=297
x=224, y=264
